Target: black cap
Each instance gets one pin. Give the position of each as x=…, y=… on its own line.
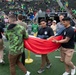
x=66, y=19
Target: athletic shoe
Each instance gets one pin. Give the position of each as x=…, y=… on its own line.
x=48, y=65
x=41, y=70
x=27, y=73
x=73, y=71
x=1, y=61
x=66, y=73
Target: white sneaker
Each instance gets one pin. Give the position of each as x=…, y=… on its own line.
x=1, y=61
x=73, y=71
x=27, y=73
x=66, y=73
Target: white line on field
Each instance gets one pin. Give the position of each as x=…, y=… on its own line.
x=57, y=56
x=38, y=55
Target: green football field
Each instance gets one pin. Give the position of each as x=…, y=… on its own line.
x=57, y=67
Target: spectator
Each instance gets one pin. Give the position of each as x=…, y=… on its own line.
x=60, y=27
x=35, y=27
x=53, y=26
x=20, y=22
x=49, y=23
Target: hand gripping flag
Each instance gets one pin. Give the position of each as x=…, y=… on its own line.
x=42, y=46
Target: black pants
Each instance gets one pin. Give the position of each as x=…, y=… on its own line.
x=23, y=58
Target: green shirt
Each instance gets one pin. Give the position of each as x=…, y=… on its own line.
x=15, y=37
x=35, y=28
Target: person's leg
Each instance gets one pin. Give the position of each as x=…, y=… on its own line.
x=43, y=56
x=47, y=60
x=1, y=51
x=63, y=57
x=62, y=50
x=48, y=65
x=23, y=58
x=20, y=65
x=1, y=56
x=12, y=62
x=61, y=54
x=68, y=57
x=67, y=67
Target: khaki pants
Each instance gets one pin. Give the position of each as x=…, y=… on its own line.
x=1, y=49
x=67, y=55
x=14, y=60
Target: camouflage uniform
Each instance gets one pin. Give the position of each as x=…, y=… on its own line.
x=15, y=37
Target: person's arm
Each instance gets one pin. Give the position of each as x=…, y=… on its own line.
x=50, y=37
x=69, y=35
x=62, y=41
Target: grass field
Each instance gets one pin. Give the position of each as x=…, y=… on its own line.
x=56, y=69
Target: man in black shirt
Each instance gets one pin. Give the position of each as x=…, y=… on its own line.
x=1, y=45
x=44, y=32
x=67, y=44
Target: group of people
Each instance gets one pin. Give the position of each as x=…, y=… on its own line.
x=16, y=32
x=65, y=29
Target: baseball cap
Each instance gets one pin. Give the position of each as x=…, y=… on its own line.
x=54, y=21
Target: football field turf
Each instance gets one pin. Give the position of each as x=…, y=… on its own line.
x=57, y=67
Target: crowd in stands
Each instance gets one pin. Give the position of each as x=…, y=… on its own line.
x=18, y=11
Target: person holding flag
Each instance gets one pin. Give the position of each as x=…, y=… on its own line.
x=67, y=46
x=15, y=34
